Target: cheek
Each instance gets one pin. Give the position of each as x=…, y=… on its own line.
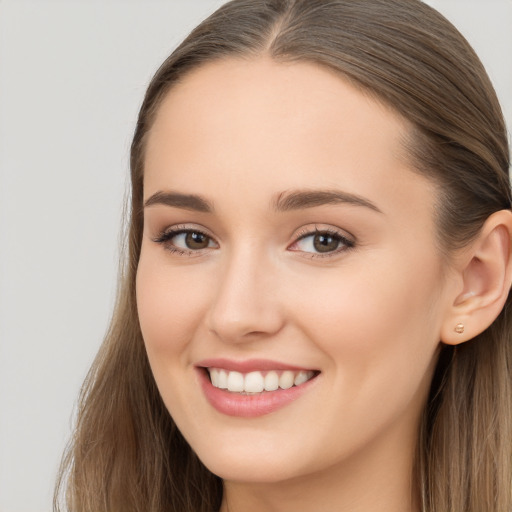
x=170, y=306
x=379, y=325
x=374, y=299
x=378, y=330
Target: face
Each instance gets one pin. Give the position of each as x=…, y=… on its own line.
x=289, y=254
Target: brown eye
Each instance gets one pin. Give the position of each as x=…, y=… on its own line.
x=325, y=242
x=322, y=243
x=195, y=240
x=185, y=241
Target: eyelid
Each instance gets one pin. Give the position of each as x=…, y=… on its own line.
x=164, y=238
x=347, y=240
x=323, y=228
x=183, y=228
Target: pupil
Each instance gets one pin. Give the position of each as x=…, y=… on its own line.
x=196, y=241
x=325, y=243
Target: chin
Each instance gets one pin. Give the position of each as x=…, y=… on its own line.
x=253, y=471
x=253, y=463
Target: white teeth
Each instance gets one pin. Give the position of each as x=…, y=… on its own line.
x=254, y=383
x=235, y=381
x=271, y=381
x=286, y=380
x=300, y=378
x=214, y=377
x=223, y=379
x=257, y=382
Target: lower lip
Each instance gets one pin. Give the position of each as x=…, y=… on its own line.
x=250, y=406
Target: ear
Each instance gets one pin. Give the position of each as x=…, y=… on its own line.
x=484, y=275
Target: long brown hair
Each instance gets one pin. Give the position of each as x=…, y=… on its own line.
x=127, y=454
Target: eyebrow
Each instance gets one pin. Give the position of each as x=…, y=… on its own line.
x=284, y=202
x=178, y=200
x=297, y=200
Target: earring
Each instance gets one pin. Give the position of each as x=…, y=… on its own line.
x=459, y=328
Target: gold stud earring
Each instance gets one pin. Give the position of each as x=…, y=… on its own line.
x=459, y=328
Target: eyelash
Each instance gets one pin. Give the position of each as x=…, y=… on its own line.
x=346, y=243
x=166, y=236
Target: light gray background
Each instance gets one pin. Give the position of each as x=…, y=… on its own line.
x=72, y=76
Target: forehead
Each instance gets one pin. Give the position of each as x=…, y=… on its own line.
x=260, y=98
x=253, y=127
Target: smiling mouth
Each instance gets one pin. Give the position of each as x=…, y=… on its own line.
x=256, y=382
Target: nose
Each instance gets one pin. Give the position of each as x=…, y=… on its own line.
x=245, y=306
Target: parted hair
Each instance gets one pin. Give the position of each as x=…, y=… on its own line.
x=126, y=453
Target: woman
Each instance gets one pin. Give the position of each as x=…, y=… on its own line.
x=314, y=313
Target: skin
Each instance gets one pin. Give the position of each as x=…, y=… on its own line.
x=241, y=133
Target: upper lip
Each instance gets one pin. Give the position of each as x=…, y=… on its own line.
x=248, y=365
